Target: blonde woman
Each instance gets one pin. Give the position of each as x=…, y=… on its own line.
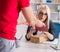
x=43, y=14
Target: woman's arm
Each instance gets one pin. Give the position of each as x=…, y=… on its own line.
x=51, y=30
x=49, y=35
x=30, y=32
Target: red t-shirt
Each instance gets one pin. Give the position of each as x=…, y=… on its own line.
x=9, y=12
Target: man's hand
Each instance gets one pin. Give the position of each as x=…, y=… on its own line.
x=30, y=17
x=39, y=23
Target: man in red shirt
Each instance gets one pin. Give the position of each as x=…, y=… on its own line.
x=9, y=12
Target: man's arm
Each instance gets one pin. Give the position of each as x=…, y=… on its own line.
x=30, y=17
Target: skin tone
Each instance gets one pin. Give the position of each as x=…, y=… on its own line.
x=30, y=17
x=44, y=16
x=31, y=20
x=23, y=21
x=50, y=36
x=31, y=32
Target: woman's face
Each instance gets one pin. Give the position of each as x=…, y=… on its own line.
x=43, y=15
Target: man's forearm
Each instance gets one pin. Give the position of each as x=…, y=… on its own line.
x=29, y=15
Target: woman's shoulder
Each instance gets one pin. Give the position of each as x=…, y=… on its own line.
x=50, y=22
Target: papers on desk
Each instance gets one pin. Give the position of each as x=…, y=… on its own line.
x=52, y=42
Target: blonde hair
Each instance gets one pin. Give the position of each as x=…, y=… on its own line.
x=48, y=13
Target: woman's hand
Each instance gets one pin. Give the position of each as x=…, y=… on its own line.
x=32, y=30
x=50, y=36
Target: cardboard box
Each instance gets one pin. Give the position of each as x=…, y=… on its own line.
x=39, y=38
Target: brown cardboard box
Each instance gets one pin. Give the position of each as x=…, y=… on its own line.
x=39, y=38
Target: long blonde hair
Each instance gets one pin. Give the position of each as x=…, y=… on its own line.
x=48, y=13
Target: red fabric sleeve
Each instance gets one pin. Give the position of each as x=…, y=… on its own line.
x=24, y=3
